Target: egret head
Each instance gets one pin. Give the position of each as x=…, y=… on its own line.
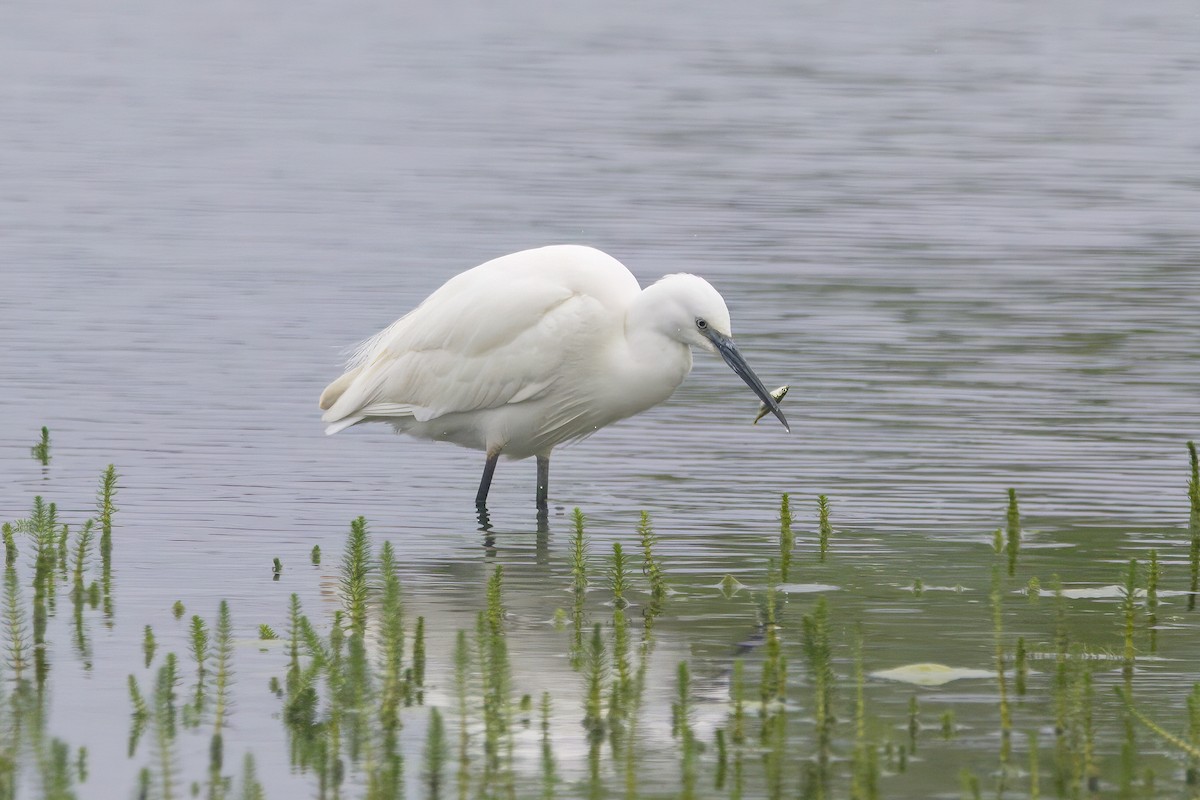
x=693, y=312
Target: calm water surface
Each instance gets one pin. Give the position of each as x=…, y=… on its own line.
x=965, y=233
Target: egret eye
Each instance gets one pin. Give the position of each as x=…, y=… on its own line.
x=701, y=323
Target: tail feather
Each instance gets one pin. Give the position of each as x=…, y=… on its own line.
x=342, y=424
x=336, y=389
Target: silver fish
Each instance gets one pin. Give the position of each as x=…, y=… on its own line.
x=778, y=396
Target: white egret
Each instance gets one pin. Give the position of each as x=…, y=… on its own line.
x=533, y=349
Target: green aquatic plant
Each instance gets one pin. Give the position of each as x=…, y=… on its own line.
x=618, y=576
x=394, y=687
x=356, y=574
x=16, y=626
x=149, y=645
x=818, y=655
x=83, y=553
x=1153, y=576
x=595, y=673
x=222, y=669
x=1194, y=481
x=651, y=567
x=106, y=508
x=681, y=729
x=1013, y=531
x=266, y=633
x=914, y=723
x=315, y=555
x=164, y=714
x=276, y=568
x=548, y=765
x=1034, y=589
x=787, y=540
x=621, y=693
x=418, y=657
x=737, y=696
x=57, y=771
x=1129, y=615
x=864, y=761
x=252, y=789
x=462, y=673
x=1001, y=680
x=41, y=450
x=970, y=784
x=1194, y=525
x=198, y=650
x=436, y=752
x=824, y=528
x=1021, y=668
x=1193, y=733
x=579, y=548
x=722, y=758
x=496, y=675
x=140, y=715
x=10, y=544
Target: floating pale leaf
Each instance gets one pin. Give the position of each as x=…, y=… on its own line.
x=805, y=588
x=929, y=674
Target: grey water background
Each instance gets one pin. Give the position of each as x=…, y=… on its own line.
x=967, y=234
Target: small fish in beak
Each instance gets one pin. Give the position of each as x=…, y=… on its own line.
x=777, y=395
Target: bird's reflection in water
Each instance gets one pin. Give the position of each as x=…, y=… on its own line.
x=542, y=532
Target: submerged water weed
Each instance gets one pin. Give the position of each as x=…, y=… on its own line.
x=1001, y=681
x=1129, y=615
x=681, y=729
x=1021, y=668
x=164, y=715
x=1012, y=531
x=818, y=654
x=549, y=768
x=914, y=723
x=222, y=665
x=338, y=715
x=41, y=451
x=436, y=752
x=824, y=528
x=579, y=550
x=149, y=645
x=496, y=674
x=462, y=677
x=106, y=509
x=10, y=544
x=618, y=576
x=787, y=540
x=652, y=569
x=864, y=761
x=595, y=673
x=1194, y=524
x=1153, y=576
x=198, y=649
x=356, y=574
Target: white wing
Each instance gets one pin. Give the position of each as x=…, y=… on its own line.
x=489, y=337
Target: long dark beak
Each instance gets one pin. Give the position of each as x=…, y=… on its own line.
x=737, y=363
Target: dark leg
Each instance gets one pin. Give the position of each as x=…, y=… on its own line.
x=543, y=482
x=485, y=483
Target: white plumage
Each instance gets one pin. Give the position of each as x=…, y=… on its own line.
x=530, y=350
